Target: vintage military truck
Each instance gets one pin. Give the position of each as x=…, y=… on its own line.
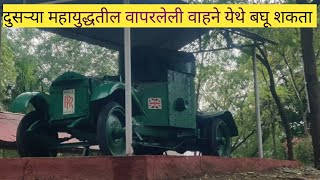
x=91, y=110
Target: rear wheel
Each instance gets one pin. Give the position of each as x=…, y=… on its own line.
x=34, y=143
x=219, y=140
x=110, y=130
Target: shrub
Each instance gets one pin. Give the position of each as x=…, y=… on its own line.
x=303, y=150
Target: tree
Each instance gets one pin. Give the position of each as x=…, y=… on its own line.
x=41, y=56
x=7, y=72
x=313, y=87
x=272, y=86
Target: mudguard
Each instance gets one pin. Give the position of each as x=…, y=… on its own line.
x=109, y=89
x=203, y=119
x=39, y=100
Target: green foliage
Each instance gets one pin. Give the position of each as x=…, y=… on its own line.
x=8, y=153
x=303, y=150
x=2, y=106
x=26, y=79
x=7, y=72
x=57, y=55
x=41, y=56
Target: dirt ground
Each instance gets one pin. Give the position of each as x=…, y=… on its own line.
x=302, y=173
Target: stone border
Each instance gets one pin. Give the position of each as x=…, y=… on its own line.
x=134, y=167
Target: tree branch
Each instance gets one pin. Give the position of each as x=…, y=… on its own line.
x=264, y=77
x=292, y=77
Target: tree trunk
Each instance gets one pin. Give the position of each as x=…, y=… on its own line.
x=305, y=123
x=199, y=76
x=294, y=84
x=313, y=88
x=273, y=129
x=199, y=84
x=274, y=147
x=277, y=100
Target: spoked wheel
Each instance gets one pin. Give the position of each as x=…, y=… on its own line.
x=110, y=130
x=219, y=140
x=35, y=143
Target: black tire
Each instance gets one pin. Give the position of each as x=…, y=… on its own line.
x=110, y=118
x=29, y=144
x=216, y=145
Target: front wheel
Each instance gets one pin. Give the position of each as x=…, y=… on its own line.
x=219, y=139
x=35, y=143
x=111, y=130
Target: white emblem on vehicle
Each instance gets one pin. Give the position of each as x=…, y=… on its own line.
x=154, y=103
x=68, y=101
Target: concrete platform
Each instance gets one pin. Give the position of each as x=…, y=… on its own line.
x=134, y=167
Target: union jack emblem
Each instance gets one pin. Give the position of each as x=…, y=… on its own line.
x=154, y=103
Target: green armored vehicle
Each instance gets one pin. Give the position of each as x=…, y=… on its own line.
x=92, y=110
